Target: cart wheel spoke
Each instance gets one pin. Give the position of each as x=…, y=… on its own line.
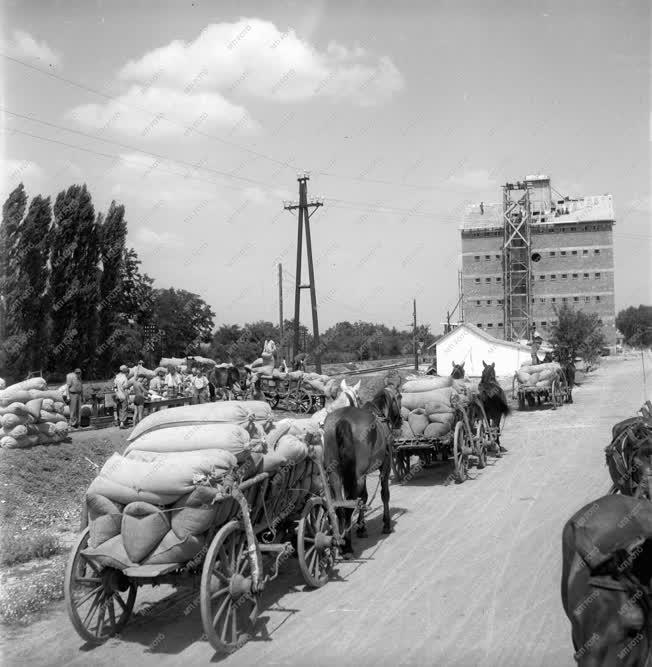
x=219, y=592
x=89, y=595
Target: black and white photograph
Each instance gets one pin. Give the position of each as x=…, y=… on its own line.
x=326, y=333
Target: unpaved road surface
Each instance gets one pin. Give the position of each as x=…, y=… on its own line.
x=470, y=575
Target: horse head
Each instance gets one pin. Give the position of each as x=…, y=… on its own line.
x=488, y=372
x=350, y=393
x=458, y=371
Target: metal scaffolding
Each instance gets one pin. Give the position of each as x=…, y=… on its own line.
x=517, y=273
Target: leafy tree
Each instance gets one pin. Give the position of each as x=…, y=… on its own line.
x=11, y=338
x=635, y=324
x=74, y=285
x=577, y=334
x=29, y=312
x=185, y=318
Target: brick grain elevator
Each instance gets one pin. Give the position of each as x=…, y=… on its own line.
x=534, y=252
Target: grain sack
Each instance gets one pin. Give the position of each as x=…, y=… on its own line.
x=47, y=428
x=110, y=554
x=548, y=374
x=53, y=394
x=10, y=420
x=234, y=412
x=61, y=428
x=55, y=417
x=143, y=527
x=33, y=407
x=427, y=383
x=7, y=442
x=194, y=513
x=439, y=407
x=15, y=396
x=104, y=518
x=173, y=550
x=406, y=430
x=172, y=361
x=186, y=438
x=48, y=405
x=141, y=370
x=539, y=368
x=542, y=384
x=291, y=448
x=404, y=413
x=32, y=383
x=124, y=495
x=18, y=431
x=280, y=429
x=272, y=461
x=23, y=442
x=522, y=377
x=15, y=408
x=418, y=421
x=436, y=430
x=533, y=380
x=446, y=418
x=421, y=399
x=295, y=375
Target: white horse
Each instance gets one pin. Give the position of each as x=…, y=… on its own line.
x=347, y=396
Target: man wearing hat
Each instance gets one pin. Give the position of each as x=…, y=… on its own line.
x=120, y=385
x=74, y=386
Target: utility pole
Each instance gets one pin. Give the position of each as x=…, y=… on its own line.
x=280, y=310
x=305, y=212
x=414, y=324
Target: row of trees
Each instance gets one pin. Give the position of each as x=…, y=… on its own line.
x=635, y=324
x=72, y=293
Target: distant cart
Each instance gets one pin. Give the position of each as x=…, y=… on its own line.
x=554, y=393
x=291, y=394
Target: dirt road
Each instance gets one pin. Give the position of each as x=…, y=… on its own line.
x=470, y=575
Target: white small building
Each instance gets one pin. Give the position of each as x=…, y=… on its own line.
x=471, y=345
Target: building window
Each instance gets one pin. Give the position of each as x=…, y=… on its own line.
x=488, y=302
x=553, y=323
x=573, y=252
x=542, y=299
x=576, y=298
x=596, y=251
x=479, y=325
x=575, y=276
x=585, y=276
x=489, y=325
x=542, y=277
x=552, y=253
x=477, y=258
x=587, y=299
x=597, y=298
x=499, y=279
x=477, y=280
x=563, y=253
x=544, y=324
x=597, y=276
x=554, y=299
x=553, y=276
x=497, y=256
x=564, y=276
x=573, y=229
x=564, y=299
x=478, y=303
x=487, y=258
x=487, y=280
x=585, y=252
x=500, y=302
x=500, y=324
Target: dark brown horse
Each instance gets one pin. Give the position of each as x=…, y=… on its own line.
x=458, y=371
x=358, y=441
x=493, y=399
x=227, y=382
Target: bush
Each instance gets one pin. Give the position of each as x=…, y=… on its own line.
x=22, y=548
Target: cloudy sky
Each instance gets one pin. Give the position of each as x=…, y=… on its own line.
x=198, y=116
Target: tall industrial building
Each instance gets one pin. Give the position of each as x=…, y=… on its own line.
x=534, y=252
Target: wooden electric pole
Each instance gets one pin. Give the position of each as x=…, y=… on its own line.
x=305, y=213
x=414, y=324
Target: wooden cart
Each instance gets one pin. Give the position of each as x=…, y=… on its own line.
x=290, y=394
x=265, y=513
x=554, y=394
x=467, y=443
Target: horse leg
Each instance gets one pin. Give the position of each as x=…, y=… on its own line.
x=384, y=494
x=344, y=515
x=361, y=530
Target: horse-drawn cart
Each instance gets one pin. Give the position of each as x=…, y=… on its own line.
x=552, y=390
x=259, y=518
x=467, y=443
x=293, y=394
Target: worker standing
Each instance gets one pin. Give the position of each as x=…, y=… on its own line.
x=74, y=387
x=120, y=385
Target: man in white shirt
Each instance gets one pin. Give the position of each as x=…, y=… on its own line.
x=120, y=387
x=173, y=382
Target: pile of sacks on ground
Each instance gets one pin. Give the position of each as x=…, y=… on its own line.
x=539, y=375
x=30, y=414
x=154, y=504
x=428, y=405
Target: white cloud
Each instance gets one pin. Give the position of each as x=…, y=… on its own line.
x=13, y=172
x=165, y=112
x=253, y=57
x=148, y=236
x=474, y=179
x=23, y=45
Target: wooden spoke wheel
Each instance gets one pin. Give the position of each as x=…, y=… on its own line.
x=556, y=397
x=400, y=464
x=480, y=443
x=229, y=607
x=461, y=449
x=300, y=401
x=316, y=543
x=99, y=601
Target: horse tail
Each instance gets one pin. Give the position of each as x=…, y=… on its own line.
x=346, y=456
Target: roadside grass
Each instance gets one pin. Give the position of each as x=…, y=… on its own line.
x=41, y=493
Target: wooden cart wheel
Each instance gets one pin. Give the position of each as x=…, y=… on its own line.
x=229, y=608
x=300, y=401
x=400, y=464
x=99, y=600
x=315, y=543
x=460, y=455
x=480, y=444
x=555, y=398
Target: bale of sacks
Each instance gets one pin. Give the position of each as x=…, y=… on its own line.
x=412, y=401
x=30, y=414
x=135, y=371
x=171, y=361
x=231, y=412
x=539, y=375
x=434, y=414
